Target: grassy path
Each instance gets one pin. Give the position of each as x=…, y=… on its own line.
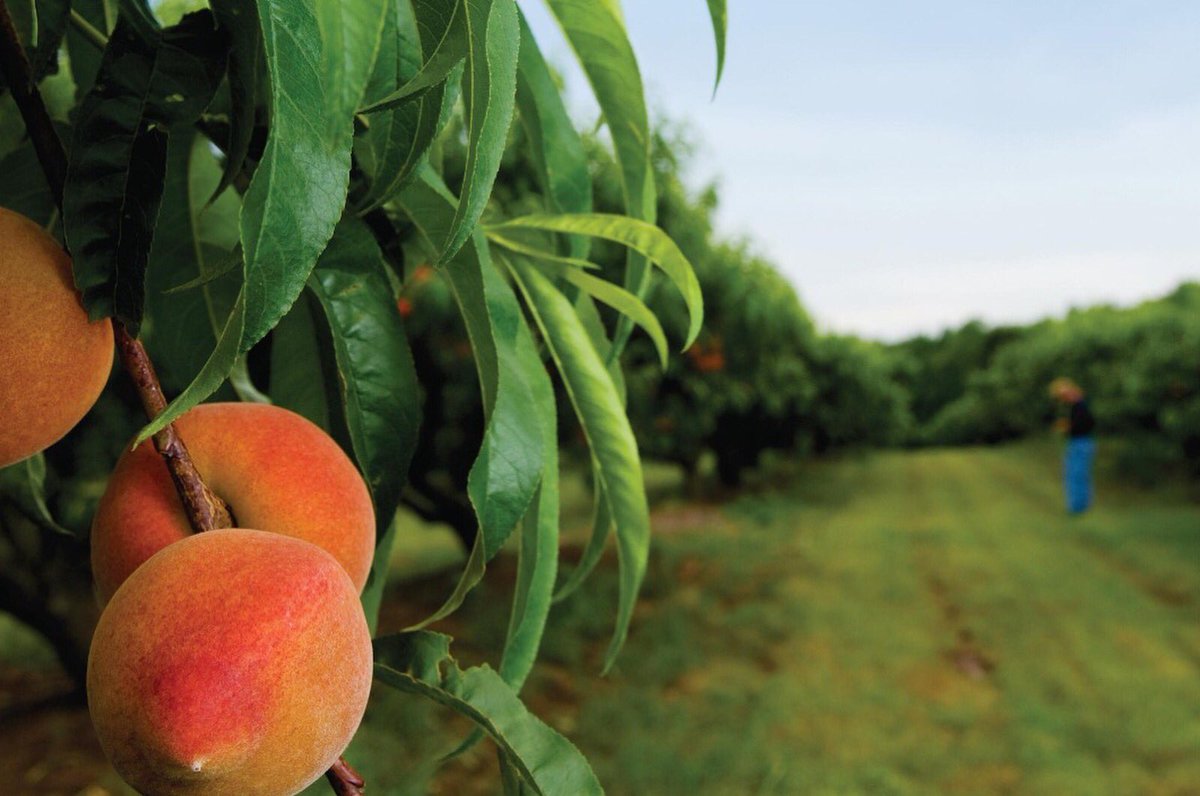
x=907, y=623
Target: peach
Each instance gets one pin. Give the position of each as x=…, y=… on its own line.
x=234, y=661
x=53, y=361
x=276, y=470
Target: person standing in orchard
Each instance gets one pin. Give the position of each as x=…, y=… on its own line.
x=1078, y=425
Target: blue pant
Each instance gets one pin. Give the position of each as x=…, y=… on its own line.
x=1077, y=473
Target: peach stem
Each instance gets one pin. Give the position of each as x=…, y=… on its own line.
x=204, y=508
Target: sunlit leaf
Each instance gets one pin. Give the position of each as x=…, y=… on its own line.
x=720, y=21
x=489, y=97
x=610, y=438
x=596, y=32
x=640, y=236
x=623, y=302
x=506, y=474
x=554, y=143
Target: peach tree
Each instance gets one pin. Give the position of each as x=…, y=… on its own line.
x=245, y=188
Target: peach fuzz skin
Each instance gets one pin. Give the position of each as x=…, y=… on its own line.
x=53, y=361
x=276, y=470
x=234, y=661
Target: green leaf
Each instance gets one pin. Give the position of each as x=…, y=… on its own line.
x=623, y=302
x=489, y=95
x=506, y=473
x=24, y=483
x=602, y=416
x=601, y=528
x=537, y=563
x=394, y=145
x=720, y=22
x=379, y=393
x=445, y=36
x=379, y=385
x=319, y=56
x=240, y=19
x=528, y=250
x=420, y=663
x=119, y=150
x=555, y=145
x=596, y=32
x=640, y=236
x=537, y=555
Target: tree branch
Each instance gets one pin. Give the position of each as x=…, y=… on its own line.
x=205, y=510
x=344, y=780
x=17, y=75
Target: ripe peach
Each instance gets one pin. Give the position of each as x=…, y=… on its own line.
x=53, y=361
x=278, y=472
x=234, y=661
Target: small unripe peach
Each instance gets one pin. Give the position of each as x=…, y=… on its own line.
x=277, y=471
x=231, y=662
x=53, y=361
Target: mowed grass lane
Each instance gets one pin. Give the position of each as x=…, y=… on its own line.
x=902, y=623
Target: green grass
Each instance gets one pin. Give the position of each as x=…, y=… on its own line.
x=896, y=623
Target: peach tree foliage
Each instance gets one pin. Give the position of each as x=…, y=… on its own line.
x=254, y=183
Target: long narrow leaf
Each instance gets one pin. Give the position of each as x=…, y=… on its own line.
x=419, y=663
x=505, y=476
x=520, y=247
x=720, y=21
x=606, y=426
x=596, y=32
x=623, y=302
x=645, y=238
x=392, y=148
x=489, y=94
x=379, y=393
x=601, y=528
x=448, y=52
x=555, y=144
x=538, y=562
x=191, y=247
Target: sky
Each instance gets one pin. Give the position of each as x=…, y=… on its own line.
x=911, y=166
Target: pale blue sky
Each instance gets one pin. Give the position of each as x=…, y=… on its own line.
x=913, y=165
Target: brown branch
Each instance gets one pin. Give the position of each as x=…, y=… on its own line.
x=344, y=780
x=17, y=75
x=204, y=508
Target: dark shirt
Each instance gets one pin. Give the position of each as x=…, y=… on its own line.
x=1082, y=421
